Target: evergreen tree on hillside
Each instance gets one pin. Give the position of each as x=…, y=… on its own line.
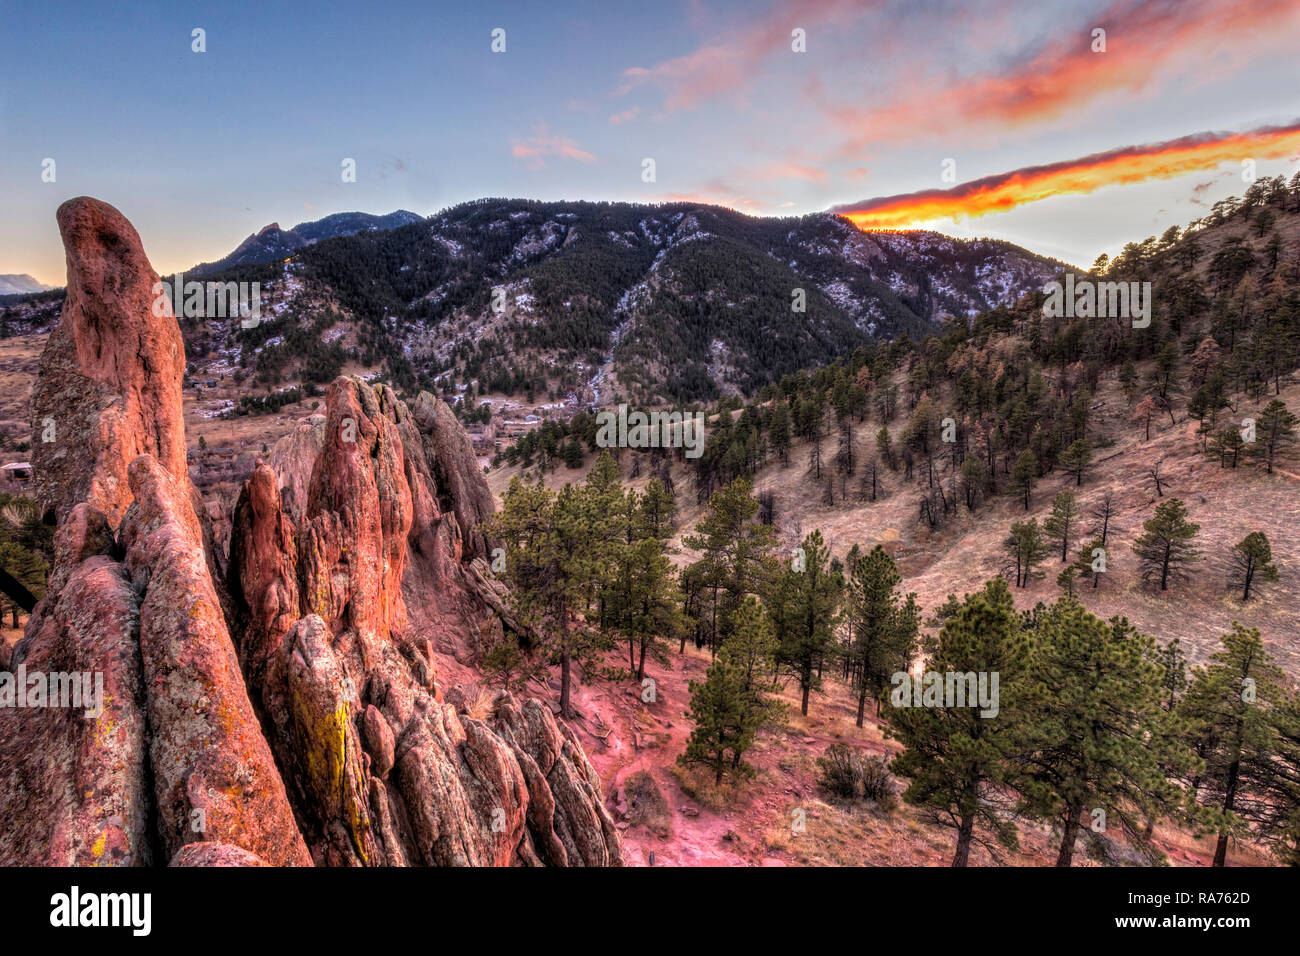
x=554, y=568
x=1275, y=435
x=1228, y=705
x=1099, y=738
x=779, y=431
x=1165, y=549
x=1091, y=565
x=1059, y=526
x=731, y=705
x=808, y=603
x=1076, y=458
x=1026, y=548
x=883, y=626
x=956, y=760
x=734, y=553
x=1025, y=475
x=1252, y=561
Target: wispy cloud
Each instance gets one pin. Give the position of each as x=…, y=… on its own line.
x=1125, y=166
x=732, y=61
x=1147, y=43
x=534, y=150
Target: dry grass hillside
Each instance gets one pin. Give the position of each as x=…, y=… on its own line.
x=1228, y=503
x=683, y=819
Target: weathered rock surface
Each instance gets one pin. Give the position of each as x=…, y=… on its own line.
x=78, y=789
x=292, y=460
x=382, y=770
x=214, y=777
x=109, y=388
x=456, y=470
x=299, y=718
x=73, y=788
x=214, y=854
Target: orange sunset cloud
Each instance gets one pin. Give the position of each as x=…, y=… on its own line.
x=1117, y=167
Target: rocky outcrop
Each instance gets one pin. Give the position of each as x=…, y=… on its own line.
x=74, y=787
x=296, y=718
x=213, y=772
x=292, y=460
x=109, y=388
x=456, y=470
x=174, y=754
x=383, y=770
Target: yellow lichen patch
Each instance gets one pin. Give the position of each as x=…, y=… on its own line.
x=324, y=742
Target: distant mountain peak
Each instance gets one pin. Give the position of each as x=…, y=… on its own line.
x=21, y=283
x=273, y=243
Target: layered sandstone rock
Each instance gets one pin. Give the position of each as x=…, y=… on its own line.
x=299, y=719
x=74, y=789
x=109, y=388
x=177, y=755
x=384, y=771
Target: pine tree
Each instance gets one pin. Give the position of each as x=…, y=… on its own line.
x=1076, y=458
x=808, y=605
x=1065, y=580
x=1226, y=445
x=1059, y=525
x=1024, y=475
x=1026, y=548
x=955, y=759
x=1274, y=434
x=1096, y=688
x=883, y=626
x=651, y=604
x=1252, y=559
x=1228, y=705
x=1165, y=550
x=1279, y=819
x=554, y=566
x=734, y=550
x=656, y=510
x=972, y=479
x=1102, y=512
x=1173, y=672
x=729, y=707
x=885, y=448
x=779, y=431
x=505, y=663
x=1090, y=565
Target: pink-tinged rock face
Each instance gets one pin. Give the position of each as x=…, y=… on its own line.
x=389, y=774
x=214, y=777
x=109, y=388
x=318, y=663
x=74, y=790
x=214, y=854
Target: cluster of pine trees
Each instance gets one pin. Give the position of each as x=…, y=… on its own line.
x=589, y=565
x=1101, y=731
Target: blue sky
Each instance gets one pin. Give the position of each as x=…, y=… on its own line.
x=201, y=149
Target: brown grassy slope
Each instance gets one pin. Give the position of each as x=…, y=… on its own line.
x=1227, y=503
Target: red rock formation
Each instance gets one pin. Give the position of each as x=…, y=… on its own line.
x=382, y=770
x=74, y=790
x=175, y=711
x=301, y=720
x=214, y=776
x=109, y=388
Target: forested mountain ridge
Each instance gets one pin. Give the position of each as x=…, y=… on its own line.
x=671, y=303
x=679, y=302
